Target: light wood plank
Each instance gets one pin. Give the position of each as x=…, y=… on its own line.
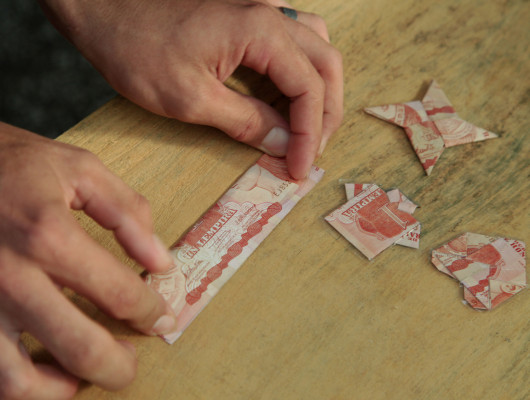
x=307, y=316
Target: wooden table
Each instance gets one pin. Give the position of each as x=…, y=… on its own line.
x=307, y=316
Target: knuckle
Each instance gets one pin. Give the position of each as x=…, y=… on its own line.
x=126, y=301
x=262, y=17
x=245, y=130
x=14, y=284
x=318, y=24
x=87, y=358
x=87, y=166
x=15, y=385
x=85, y=159
x=141, y=211
x=189, y=111
x=258, y=8
x=141, y=205
x=44, y=232
x=190, y=106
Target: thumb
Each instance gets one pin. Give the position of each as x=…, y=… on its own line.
x=244, y=118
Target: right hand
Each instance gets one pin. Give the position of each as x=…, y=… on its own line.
x=172, y=56
x=43, y=248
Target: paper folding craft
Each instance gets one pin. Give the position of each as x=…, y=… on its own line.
x=491, y=269
x=214, y=249
x=431, y=125
x=373, y=220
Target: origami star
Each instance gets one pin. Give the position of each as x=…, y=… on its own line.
x=431, y=125
x=373, y=220
x=491, y=269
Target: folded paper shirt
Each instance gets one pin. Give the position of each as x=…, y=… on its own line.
x=431, y=125
x=491, y=269
x=225, y=236
x=373, y=219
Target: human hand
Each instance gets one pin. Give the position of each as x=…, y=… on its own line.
x=43, y=248
x=172, y=57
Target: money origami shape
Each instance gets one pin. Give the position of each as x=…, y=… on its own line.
x=226, y=235
x=491, y=269
x=373, y=220
x=431, y=125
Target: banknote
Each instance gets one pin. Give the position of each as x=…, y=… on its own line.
x=411, y=238
x=371, y=221
x=431, y=125
x=225, y=236
x=354, y=189
x=454, y=130
x=403, y=203
x=423, y=135
x=457, y=248
x=491, y=269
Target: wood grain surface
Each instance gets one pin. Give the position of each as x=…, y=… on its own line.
x=307, y=316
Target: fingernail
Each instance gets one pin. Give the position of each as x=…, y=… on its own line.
x=275, y=143
x=164, y=256
x=165, y=324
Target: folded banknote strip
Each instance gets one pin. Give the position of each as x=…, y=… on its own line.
x=225, y=236
x=491, y=269
x=431, y=125
x=373, y=220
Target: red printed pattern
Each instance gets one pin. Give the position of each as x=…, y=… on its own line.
x=234, y=251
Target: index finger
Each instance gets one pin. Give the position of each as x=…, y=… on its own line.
x=328, y=62
x=292, y=72
x=80, y=263
x=111, y=203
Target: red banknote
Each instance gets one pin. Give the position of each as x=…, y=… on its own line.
x=372, y=220
x=491, y=269
x=225, y=236
x=431, y=125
